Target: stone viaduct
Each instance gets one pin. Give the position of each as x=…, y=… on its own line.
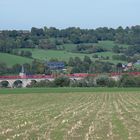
x=27, y=81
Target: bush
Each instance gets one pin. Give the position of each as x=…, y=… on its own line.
x=42, y=83
x=102, y=81
x=128, y=81
x=112, y=83
x=62, y=82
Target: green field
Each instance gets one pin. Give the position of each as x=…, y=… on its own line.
x=106, y=44
x=68, y=114
x=66, y=90
x=68, y=47
x=110, y=44
x=11, y=60
x=66, y=53
x=49, y=54
x=61, y=55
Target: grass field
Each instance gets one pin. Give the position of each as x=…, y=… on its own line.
x=11, y=60
x=105, y=44
x=64, y=114
x=66, y=90
x=110, y=44
x=66, y=53
x=48, y=54
x=61, y=55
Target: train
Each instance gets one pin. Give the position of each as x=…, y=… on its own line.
x=77, y=75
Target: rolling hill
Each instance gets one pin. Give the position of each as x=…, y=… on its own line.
x=61, y=55
x=13, y=59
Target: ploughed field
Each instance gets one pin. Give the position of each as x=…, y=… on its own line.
x=70, y=116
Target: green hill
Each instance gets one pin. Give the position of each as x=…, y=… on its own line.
x=13, y=59
x=105, y=44
x=61, y=55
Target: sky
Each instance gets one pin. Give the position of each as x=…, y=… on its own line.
x=24, y=14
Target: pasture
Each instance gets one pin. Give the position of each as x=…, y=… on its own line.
x=67, y=52
x=11, y=60
x=55, y=54
x=70, y=114
x=61, y=55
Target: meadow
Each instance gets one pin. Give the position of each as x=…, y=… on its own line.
x=70, y=114
x=55, y=54
x=67, y=52
x=61, y=55
x=11, y=60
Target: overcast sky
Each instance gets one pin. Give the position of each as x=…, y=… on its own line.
x=24, y=14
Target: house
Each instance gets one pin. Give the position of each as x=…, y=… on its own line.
x=138, y=62
x=128, y=66
x=56, y=65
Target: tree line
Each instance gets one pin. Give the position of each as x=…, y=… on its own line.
x=63, y=81
x=74, y=65
x=49, y=38
x=101, y=81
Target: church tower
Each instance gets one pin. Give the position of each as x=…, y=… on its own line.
x=22, y=74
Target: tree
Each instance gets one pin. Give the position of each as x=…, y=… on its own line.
x=46, y=44
x=102, y=81
x=119, y=67
x=71, y=62
x=100, y=67
x=37, y=67
x=3, y=68
x=116, y=49
x=77, y=61
x=127, y=81
x=16, y=68
x=37, y=32
x=27, y=54
x=87, y=60
x=62, y=81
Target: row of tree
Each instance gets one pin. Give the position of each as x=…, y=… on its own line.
x=102, y=81
x=36, y=67
x=88, y=49
x=129, y=35
x=74, y=65
x=129, y=51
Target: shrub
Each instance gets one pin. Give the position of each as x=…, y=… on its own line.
x=62, y=81
x=102, y=81
x=128, y=81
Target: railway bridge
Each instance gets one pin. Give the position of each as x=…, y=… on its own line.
x=24, y=81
